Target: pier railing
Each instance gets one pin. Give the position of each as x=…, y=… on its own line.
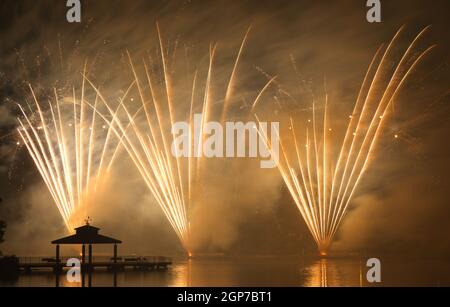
x=120, y=259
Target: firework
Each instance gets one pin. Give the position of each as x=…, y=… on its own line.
x=322, y=180
x=173, y=181
x=71, y=148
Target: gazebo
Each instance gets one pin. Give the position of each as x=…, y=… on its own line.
x=89, y=235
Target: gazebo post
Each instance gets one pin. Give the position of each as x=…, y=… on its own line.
x=57, y=254
x=90, y=266
x=83, y=254
x=83, y=263
x=115, y=265
x=90, y=255
x=57, y=265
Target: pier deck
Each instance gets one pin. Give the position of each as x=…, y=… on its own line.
x=146, y=263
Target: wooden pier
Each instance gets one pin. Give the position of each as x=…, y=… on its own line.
x=87, y=236
x=142, y=263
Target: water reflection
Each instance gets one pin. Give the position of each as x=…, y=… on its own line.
x=244, y=272
x=333, y=273
x=318, y=274
x=263, y=271
x=270, y=272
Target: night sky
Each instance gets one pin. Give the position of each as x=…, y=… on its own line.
x=402, y=205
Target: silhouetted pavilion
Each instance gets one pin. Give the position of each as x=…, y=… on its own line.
x=89, y=235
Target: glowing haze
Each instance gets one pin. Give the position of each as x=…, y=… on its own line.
x=293, y=57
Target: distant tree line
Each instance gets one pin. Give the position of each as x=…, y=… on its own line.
x=2, y=229
x=9, y=265
x=2, y=232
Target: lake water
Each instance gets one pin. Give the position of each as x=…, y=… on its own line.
x=265, y=271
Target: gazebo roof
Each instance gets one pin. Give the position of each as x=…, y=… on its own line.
x=86, y=234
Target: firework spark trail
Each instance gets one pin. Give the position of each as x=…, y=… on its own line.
x=67, y=152
x=323, y=194
x=150, y=151
x=233, y=74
